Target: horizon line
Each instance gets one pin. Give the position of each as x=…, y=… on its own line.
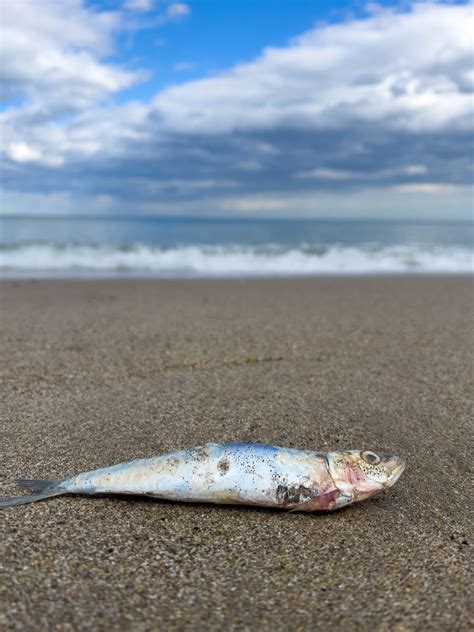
x=236, y=218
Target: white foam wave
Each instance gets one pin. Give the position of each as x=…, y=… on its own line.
x=269, y=260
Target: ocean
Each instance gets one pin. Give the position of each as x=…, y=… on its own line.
x=159, y=247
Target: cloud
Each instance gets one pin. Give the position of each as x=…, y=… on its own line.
x=341, y=74
x=425, y=187
x=138, y=5
x=174, y=12
x=53, y=77
x=344, y=115
x=52, y=67
x=177, y=10
x=376, y=174
x=51, y=55
x=21, y=152
x=182, y=66
x=376, y=202
x=328, y=174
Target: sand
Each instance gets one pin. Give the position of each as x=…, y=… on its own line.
x=97, y=372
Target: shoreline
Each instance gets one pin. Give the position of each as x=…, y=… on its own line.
x=231, y=277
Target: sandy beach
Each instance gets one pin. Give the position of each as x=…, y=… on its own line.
x=98, y=372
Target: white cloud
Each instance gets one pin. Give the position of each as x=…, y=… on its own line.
x=21, y=152
x=177, y=10
x=376, y=174
x=138, y=5
x=174, y=12
x=415, y=170
x=328, y=174
x=24, y=153
x=51, y=63
x=368, y=71
x=425, y=187
x=51, y=54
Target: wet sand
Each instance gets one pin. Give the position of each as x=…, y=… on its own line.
x=97, y=372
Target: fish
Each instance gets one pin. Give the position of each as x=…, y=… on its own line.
x=236, y=474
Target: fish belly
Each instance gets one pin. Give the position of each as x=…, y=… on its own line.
x=239, y=473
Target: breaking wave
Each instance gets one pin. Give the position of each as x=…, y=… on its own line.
x=49, y=259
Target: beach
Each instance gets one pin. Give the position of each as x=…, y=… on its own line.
x=95, y=372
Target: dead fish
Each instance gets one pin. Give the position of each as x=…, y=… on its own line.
x=236, y=473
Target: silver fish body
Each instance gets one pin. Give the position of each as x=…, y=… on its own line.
x=250, y=474
x=237, y=473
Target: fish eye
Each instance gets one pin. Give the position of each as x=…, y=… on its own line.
x=370, y=457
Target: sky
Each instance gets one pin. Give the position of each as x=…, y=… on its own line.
x=237, y=108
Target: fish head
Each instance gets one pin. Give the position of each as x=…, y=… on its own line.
x=360, y=474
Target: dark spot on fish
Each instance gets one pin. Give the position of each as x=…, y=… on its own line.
x=250, y=468
x=200, y=453
x=294, y=495
x=223, y=466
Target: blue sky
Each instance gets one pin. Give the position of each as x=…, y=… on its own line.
x=257, y=108
x=217, y=34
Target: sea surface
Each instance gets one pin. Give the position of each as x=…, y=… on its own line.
x=144, y=246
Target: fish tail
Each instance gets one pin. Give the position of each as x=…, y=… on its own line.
x=38, y=486
x=41, y=489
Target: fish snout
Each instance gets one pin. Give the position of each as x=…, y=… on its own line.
x=395, y=467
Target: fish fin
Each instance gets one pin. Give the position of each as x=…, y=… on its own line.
x=37, y=486
x=41, y=489
x=328, y=501
x=23, y=500
x=300, y=507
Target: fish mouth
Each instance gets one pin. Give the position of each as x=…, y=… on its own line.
x=396, y=472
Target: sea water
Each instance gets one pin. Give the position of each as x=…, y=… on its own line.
x=148, y=246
